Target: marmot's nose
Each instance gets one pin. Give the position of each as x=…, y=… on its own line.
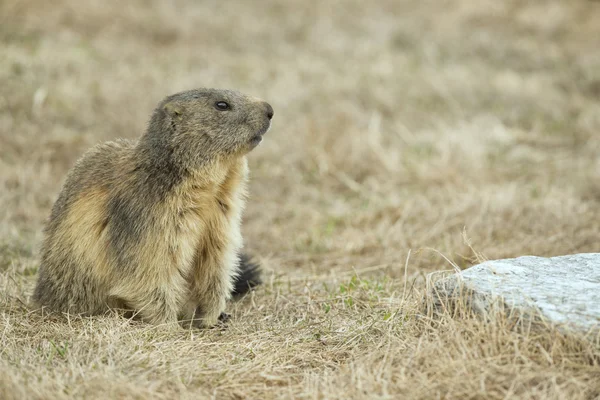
x=269, y=111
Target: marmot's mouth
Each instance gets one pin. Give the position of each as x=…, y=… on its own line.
x=255, y=140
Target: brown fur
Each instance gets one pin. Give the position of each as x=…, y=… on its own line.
x=154, y=225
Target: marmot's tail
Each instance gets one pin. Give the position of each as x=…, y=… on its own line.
x=248, y=277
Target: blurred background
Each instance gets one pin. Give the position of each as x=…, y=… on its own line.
x=468, y=127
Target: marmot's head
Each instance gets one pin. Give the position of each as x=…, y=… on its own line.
x=202, y=124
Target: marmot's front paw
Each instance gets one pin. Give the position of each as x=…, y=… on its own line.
x=220, y=323
x=203, y=320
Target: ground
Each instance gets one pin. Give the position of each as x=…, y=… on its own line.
x=410, y=137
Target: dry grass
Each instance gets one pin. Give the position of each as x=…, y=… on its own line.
x=398, y=125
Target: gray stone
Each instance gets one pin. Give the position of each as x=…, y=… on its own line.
x=564, y=291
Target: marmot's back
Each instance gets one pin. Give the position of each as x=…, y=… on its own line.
x=74, y=231
x=98, y=168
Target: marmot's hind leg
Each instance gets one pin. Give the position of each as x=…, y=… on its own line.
x=156, y=307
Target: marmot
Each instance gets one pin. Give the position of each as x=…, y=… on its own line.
x=153, y=225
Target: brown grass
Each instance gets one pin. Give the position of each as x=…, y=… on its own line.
x=400, y=126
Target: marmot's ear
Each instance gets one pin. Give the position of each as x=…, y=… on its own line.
x=174, y=110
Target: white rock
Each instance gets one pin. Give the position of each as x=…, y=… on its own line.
x=565, y=290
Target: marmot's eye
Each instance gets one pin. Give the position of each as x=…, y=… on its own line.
x=222, y=106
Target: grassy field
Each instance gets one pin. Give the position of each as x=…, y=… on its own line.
x=405, y=133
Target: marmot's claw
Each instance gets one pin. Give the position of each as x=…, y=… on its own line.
x=224, y=317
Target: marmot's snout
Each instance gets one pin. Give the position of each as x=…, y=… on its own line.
x=269, y=111
x=256, y=139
